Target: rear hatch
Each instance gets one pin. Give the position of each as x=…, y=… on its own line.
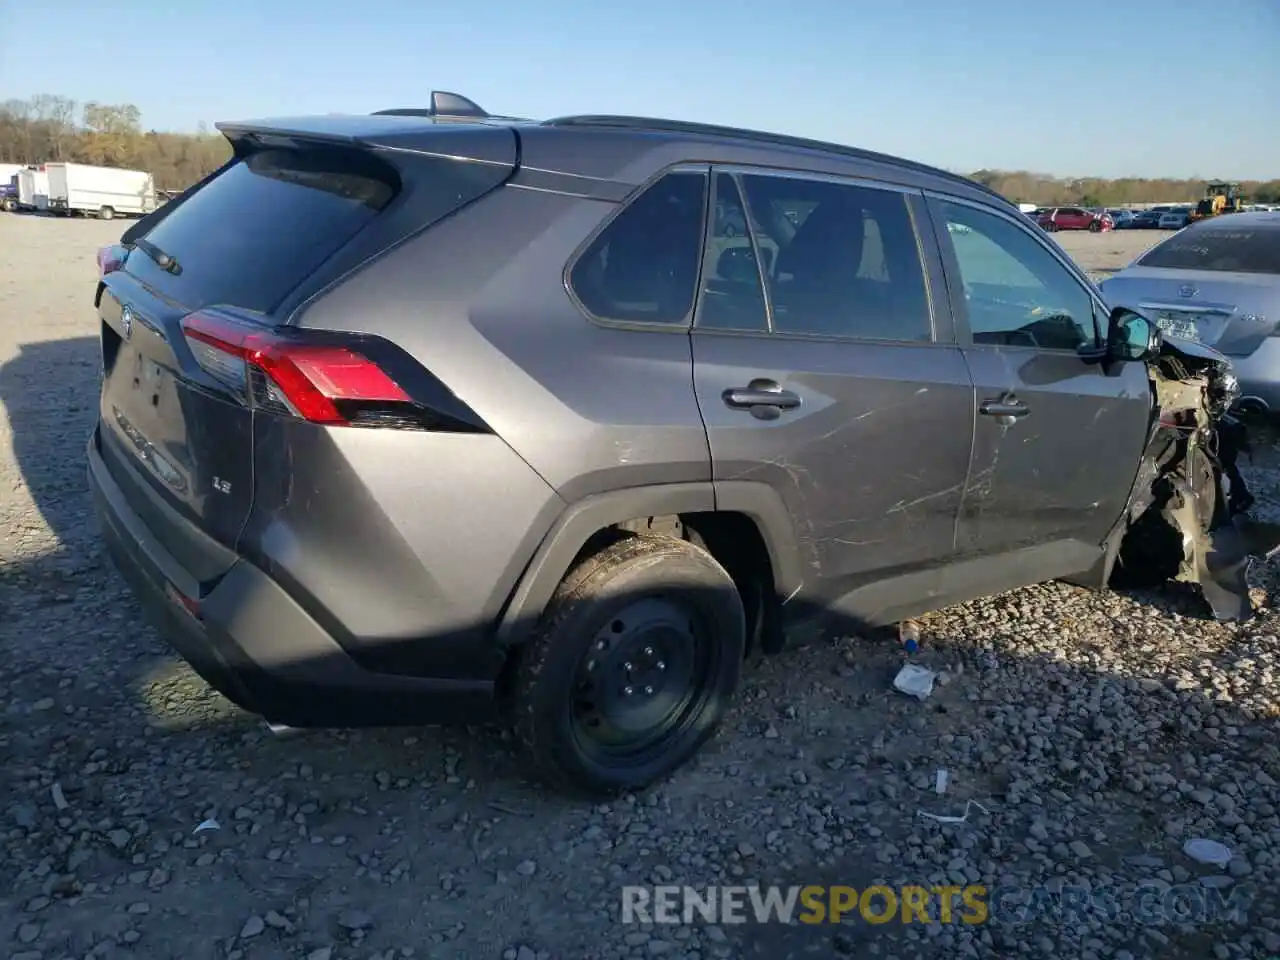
x=1217, y=285
x=194, y=306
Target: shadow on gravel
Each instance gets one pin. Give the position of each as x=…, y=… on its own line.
x=49, y=392
x=1084, y=755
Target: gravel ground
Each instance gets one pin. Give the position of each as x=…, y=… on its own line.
x=1098, y=733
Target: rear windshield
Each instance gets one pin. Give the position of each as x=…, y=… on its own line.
x=1245, y=250
x=257, y=230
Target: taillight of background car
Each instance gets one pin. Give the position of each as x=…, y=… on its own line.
x=111, y=258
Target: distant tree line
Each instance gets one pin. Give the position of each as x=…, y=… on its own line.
x=48, y=127
x=51, y=128
x=1021, y=186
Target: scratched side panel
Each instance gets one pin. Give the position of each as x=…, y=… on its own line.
x=871, y=466
x=1063, y=472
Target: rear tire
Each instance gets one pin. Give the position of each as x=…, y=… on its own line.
x=106, y=213
x=1051, y=227
x=632, y=668
x=1095, y=227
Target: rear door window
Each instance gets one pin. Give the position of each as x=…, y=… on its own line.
x=643, y=267
x=1242, y=250
x=260, y=228
x=840, y=260
x=732, y=290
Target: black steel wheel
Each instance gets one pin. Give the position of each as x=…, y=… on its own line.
x=632, y=668
x=642, y=679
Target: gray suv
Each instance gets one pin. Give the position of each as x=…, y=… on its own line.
x=431, y=416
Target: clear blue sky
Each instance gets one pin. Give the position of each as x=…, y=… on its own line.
x=1090, y=87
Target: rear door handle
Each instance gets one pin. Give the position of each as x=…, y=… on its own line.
x=1007, y=407
x=760, y=393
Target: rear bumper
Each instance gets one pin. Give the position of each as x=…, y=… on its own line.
x=255, y=645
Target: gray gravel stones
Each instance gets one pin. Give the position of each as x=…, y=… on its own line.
x=1100, y=732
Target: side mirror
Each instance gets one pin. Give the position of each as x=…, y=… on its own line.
x=1131, y=336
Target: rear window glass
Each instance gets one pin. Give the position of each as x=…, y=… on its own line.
x=1246, y=250
x=257, y=230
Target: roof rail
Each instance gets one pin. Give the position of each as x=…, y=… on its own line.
x=760, y=136
x=446, y=105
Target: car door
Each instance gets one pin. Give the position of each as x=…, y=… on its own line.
x=824, y=371
x=1071, y=218
x=1057, y=439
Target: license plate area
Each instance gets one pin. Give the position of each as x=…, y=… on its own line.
x=1202, y=327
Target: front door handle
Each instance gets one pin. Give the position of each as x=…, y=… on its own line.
x=760, y=393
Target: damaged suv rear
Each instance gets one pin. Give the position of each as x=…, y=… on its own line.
x=418, y=417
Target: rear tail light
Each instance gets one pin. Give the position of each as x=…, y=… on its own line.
x=110, y=259
x=324, y=383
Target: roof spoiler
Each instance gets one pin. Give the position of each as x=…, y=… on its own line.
x=445, y=105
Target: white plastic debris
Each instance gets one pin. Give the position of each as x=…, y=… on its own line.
x=940, y=781
x=59, y=800
x=1207, y=851
x=941, y=818
x=207, y=825
x=914, y=681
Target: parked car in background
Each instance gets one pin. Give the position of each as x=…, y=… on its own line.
x=1147, y=219
x=1074, y=218
x=342, y=515
x=1175, y=218
x=1217, y=282
x=1123, y=219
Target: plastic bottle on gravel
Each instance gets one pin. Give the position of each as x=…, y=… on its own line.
x=909, y=636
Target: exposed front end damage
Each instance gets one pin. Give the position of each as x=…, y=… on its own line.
x=1185, y=518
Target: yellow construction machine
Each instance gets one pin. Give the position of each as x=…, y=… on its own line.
x=1219, y=197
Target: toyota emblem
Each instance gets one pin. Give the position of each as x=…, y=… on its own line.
x=1187, y=291
x=126, y=321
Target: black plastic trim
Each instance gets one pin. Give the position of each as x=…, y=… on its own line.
x=582, y=519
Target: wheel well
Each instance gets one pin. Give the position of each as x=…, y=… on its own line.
x=732, y=538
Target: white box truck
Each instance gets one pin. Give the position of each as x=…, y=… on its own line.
x=33, y=189
x=104, y=192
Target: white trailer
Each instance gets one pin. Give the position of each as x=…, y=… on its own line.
x=33, y=189
x=105, y=192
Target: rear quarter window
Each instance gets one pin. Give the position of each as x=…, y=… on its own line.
x=257, y=230
x=643, y=267
x=1244, y=250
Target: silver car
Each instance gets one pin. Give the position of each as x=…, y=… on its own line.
x=1174, y=219
x=1216, y=281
